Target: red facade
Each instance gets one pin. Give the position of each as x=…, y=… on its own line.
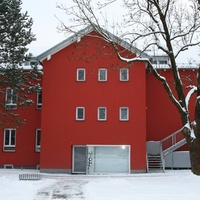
x=162, y=116
x=149, y=113
x=25, y=154
x=61, y=130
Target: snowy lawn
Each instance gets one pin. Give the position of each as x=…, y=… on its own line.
x=172, y=185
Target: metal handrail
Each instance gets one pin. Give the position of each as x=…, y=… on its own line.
x=175, y=133
x=173, y=142
x=170, y=136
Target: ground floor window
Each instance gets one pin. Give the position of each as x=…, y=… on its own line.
x=9, y=139
x=93, y=159
x=37, y=141
x=39, y=100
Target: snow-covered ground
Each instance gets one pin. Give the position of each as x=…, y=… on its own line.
x=172, y=185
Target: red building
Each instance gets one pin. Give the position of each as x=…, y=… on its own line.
x=20, y=144
x=97, y=111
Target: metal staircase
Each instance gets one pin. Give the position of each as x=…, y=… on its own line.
x=157, y=150
x=155, y=160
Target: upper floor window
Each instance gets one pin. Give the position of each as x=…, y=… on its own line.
x=162, y=62
x=80, y=113
x=124, y=74
x=102, y=113
x=11, y=98
x=102, y=74
x=39, y=100
x=154, y=62
x=9, y=139
x=124, y=114
x=80, y=74
x=37, y=140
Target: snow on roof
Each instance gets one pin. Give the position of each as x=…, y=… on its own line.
x=26, y=65
x=193, y=66
x=29, y=67
x=150, y=55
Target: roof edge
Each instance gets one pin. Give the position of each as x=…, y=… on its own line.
x=64, y=43
x=47, y=54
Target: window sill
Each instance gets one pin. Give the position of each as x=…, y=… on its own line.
x=9, y=151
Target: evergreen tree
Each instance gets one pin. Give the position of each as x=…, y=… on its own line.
x=15, y=35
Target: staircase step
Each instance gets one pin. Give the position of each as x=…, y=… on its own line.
x=154, y=162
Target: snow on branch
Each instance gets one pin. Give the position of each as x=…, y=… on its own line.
x=135, y=59
x=189, y=94
x=167, y=88
x=160, y=78
x=190, y=130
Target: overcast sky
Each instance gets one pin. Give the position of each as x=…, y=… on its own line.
x=45, y=24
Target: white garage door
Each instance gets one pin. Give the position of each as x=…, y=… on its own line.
x=109, y=159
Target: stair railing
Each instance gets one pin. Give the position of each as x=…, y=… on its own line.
x=173, y=142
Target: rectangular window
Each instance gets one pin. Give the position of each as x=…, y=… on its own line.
x=37, y=140
x=9, y=139
x=39, y=100
x=80, y=74
x=102, y=113
x=102, y=74
x=162, y=62
x=80, y=113
x=11, y=98
x=124, y=114
x=154, y=62
x=124, y=74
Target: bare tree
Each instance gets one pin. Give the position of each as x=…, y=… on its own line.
x=170, y=26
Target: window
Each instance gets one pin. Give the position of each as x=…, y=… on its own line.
x=11, y=98
x=37, y=140
x=80, y=75
x=162, y=62
x=101, y=113
x=9, y=139
x=154, y=62
x=124, y=74
x=124, y=114
x=102, y=74
x=80, y=113
x=39, y=100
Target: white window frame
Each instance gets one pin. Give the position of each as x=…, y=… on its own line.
x=77, y=74
x=11, y=98
x=9, y=147
x=39, y=100
x=77, y=113
x=121, y=74
x=37, y=143
x=120, y=114
x=100, y=78
x=105, y=114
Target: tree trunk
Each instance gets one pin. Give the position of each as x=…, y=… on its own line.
x=195, y=156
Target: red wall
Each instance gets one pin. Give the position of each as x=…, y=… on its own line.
x=24, y=155
x=62, y=94
x=162, y=116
